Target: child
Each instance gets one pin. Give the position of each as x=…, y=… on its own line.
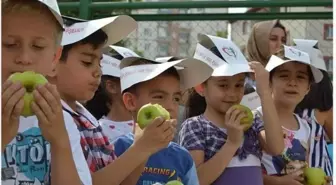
x=144, y=81
x=317, y=109
x=77, y=78
x=222, y=151
x=107, y=105
x=291, y=75
x=36, y=148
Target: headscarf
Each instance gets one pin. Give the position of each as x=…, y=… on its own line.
x=257, y=44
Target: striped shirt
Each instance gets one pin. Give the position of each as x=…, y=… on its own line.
x=98, y=151
x=318, y=155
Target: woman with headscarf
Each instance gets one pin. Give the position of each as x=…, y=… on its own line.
x=265, y=39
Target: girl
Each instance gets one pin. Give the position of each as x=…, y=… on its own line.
x=317, y=109
x=291, y=75
x=107, y=105
x=222, y=151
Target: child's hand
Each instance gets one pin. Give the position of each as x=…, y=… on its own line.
x=235, y=130
x=12, y=106
x=48, y=109
x=155, y=136
x=295, y=178
x=328, y=180
x=261, y=77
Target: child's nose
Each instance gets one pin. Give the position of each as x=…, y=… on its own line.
x=24, y=57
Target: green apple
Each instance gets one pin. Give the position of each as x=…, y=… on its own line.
x=314, y=176
x=30, y=80
x=149, y=112
x=248, y=120
x=174, y=182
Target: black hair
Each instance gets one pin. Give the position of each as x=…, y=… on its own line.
x=101, y=102
x=169, y=72
x=96, y=39
x=196, y=103
x=310, y=75
x=319, y=97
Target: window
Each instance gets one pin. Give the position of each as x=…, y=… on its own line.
x=328, y=32
x=184, y=50
x=163, y=49
x=329, y=63
x=184, y=37
x=147, y=32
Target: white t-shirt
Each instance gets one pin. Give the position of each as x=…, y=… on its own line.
x=295, y=153
x=27, y=158
x=113, y=129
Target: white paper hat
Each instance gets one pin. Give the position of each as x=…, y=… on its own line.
x=315, y=55
x=110, y=66
x=53, y=7
x=234, y=61
x=116, y=28
x=294, y=55
x=169, y=59
x=194, y=72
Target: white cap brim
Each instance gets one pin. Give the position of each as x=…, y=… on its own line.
x=316, y=56
x=275, y=62
x=131, y=75
x=116, y=28
x=110, y=66
x=53, y=7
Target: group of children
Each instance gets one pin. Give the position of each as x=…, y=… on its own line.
x=84, y=130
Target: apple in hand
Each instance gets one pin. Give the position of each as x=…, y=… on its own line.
x=248, y=120
x=314, y=176
x=30, y=80
x=149, y=112
x=174, y=182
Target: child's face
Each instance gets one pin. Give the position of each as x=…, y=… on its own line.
x=223, y=92
x=164, y=90
x=78, y=77
x=28, y=43
x=290, y=83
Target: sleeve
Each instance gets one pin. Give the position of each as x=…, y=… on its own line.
x=191, y=177
x=122, y=143
x=77, y=152
x=191, y=135
x=258, y=123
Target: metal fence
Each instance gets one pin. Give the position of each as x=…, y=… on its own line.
x=165, y=29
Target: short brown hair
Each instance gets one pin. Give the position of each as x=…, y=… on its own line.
x=29, y=5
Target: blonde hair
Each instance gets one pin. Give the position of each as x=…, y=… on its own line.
x=9, y=6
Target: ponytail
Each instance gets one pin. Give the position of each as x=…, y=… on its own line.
x=195, y=104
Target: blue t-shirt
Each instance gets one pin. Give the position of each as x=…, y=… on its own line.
x=171, y=163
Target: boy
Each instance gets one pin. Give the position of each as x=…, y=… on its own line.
x=144, y=81
x=35, y=148
x=77, y=78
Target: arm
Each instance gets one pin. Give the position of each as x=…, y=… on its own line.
x=209, y=171
x=61, y=156
x=326, y=120
x=126, y=169
x=271, y=138
x=191, y=177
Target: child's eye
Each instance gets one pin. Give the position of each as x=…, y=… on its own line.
x=240, y=85
x=283, y=76
x=223, y=85
x=8, y=45
x=158, y=97
x=301, y=77
x=87, y=63
x=177, y=99
x=38, y=47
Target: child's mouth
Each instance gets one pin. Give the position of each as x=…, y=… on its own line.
x=291, y=92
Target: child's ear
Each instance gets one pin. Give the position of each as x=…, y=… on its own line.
x=309, y=86
x=200, y=89
x=55, y=61
x=129, y=101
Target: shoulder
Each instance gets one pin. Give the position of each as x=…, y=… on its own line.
x=180, y=153
x=194, y=122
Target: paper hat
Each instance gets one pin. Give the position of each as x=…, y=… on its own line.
x=110, y=66
x=116, y=28
x=194, y=72
x=233, y=61
x=53, y=7
x=169, y=59
x=294, y=55
x=316, y=57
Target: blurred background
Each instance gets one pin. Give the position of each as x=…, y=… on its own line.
x=170, y=28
